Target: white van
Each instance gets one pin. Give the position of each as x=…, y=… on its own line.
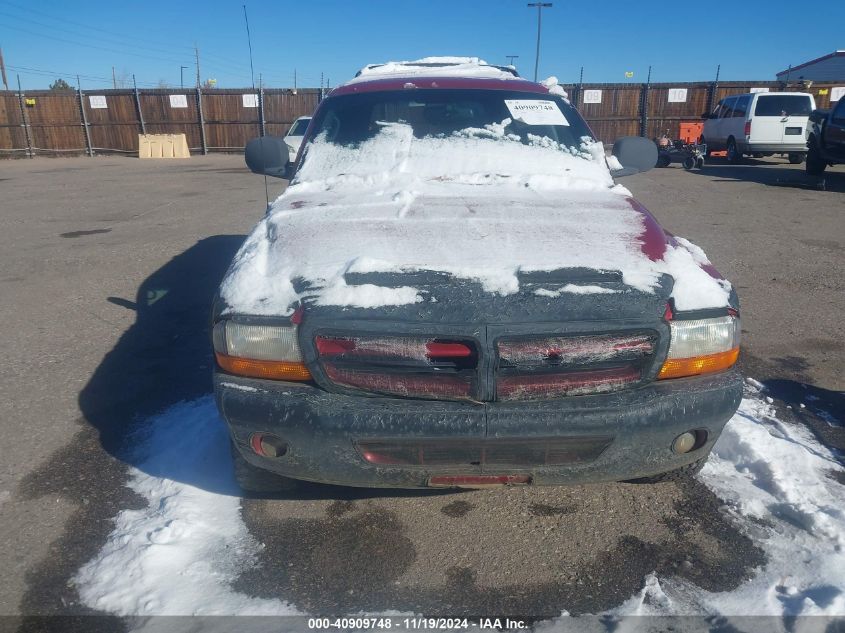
x=759, y=124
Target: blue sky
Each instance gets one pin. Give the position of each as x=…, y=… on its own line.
x=152, y=39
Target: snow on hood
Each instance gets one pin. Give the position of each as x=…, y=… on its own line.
x=458, y=205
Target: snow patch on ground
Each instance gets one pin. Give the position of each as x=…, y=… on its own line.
x=179, y=555
x=774, y=478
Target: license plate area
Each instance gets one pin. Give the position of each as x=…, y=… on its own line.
x=476, y=455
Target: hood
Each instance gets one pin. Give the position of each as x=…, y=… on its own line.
x=313, y=241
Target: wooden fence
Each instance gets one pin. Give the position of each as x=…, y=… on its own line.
x=650, y=110
x=45, y=122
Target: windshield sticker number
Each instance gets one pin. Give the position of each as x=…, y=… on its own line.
x=536, y=112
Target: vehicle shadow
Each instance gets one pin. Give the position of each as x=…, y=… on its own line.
x=774, y=173
x=163, y=358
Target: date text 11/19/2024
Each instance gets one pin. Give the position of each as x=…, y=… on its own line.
x=415, y=623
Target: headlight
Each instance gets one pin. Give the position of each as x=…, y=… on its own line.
x=701, y=346
x=259, y=351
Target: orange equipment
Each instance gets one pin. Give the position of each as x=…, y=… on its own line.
x=691, y=131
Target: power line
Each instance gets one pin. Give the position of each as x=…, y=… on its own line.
x=217, y=60
x=65, y=21
x=94, y=46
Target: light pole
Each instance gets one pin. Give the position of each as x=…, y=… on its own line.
x=540, y=6
x=182, y=76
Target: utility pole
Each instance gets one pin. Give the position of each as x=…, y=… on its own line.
x=3, y=70
x=540, y=6
x=294, y=81
x=511, y=58
x=113, y=79
x=197, y=53
x=182, y=76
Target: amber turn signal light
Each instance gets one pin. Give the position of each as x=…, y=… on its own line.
x=680, y=367
x=269, y=369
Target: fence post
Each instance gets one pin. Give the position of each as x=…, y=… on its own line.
x=711, y=92
x=84, y=119
x=25, y=120
x=138, y=107
x=201, y=122
x=644, y=110
x=263, y=123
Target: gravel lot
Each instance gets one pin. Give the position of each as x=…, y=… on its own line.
x=90, y=246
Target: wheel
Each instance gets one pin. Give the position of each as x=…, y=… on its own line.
x=701, y=141
x=679, y=474
x=253, y=479
x=734, y=155
x=689, y=163
x=795, y=158
x=699, y=163
x=815, y=165
x=663, y=159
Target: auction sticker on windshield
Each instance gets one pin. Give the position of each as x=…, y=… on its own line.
x=536, y=112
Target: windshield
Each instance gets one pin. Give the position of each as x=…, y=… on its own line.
x=527, y=117
x=469, y=136
x=299, y=127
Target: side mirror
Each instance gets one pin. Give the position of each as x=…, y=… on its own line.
x=636, y=155
x=268, y=155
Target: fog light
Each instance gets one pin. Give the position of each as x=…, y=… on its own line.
x=268, y=445
x=684, y=443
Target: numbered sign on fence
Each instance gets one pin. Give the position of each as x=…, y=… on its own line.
x=592, y=96
x=677, y=95
x=97, y=102
x=250, y=101
x=178, y=101
x=762, y=89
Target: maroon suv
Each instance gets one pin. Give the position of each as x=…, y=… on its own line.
x=454, y=291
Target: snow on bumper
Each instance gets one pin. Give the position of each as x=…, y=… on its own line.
x=323, y=430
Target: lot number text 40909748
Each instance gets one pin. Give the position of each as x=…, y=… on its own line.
x=412, y=623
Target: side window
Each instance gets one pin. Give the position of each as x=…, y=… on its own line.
x=717, y=111
x=741, y=107
x=728, y=108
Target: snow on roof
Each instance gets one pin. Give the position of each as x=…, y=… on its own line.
x=435, y=67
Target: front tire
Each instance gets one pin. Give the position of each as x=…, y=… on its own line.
x=734, y=155
x=815, y=165
x=703, y=141
x=795, y=158
x=252, y=479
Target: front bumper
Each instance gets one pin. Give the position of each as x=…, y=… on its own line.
x=322, y=429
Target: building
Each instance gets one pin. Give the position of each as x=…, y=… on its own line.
x=827, y=68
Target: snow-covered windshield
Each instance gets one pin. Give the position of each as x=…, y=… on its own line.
x=477, y=136
x=353, y=119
